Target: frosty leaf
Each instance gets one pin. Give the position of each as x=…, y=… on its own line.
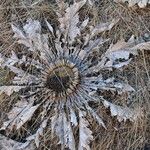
x=9, y=144
x=110, y=84
x=6, y=144
x=68, y=23
x=73, y=117
x=122, y=113
x=141, y=3
x=26, y=79
x=53, y=122
x=97, y=118
x=85, y=134
x=49, y=27
x=32, y=27
x=117, y=46
x=32, y=37
x=63, y=130
x=123, y=87
x=70, y=141
x=1, y=60
x=90, y=2
x=19, y=115
x=142, y=46
x=14, y=113
x=12, y=60
x=95, y=43
x=22, y=77
x=103, y=27
x=120, y=64
x=18, y=33
x=9, y=61
x=16, y=70
x=20, y=36
x=84, y=23
x=74, y=30
x=24, y=146
x=26, y=115
x=10, y=89
x=39, y=132
x=120, y=50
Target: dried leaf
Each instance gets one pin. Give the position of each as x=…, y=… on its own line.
x=18, y=32
x=19, y=115
x=9, y=144
x=63, y=130
x=84, y=23
x=32, y=27
x=122, y=113
x=10, y=89
x=90, y=2
x=85, y=134
x=25, y=116
x=68, y=23
x=142, y=46
x=103, y=27
x=97, y=118
x=73, y=117
x=49, y=27
x=141, y=3
x=120, y=50
x=39, y=132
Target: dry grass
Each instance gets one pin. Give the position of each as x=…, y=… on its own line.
x=126, y=136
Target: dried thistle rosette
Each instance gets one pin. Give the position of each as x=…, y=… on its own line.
x=56, y=77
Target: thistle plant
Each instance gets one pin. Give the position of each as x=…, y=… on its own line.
x=56, y=77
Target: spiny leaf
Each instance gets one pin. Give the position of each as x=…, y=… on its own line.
x=19, y=115
x=63, y=130
x=39, y=132
x=122, y=113
x=8, y=144
x=103, y=27
x=68, y=22
x=10, y=89
x=141, y=3
x=85, y=134
x=49, y=27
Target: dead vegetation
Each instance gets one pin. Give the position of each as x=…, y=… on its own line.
x=132, y=21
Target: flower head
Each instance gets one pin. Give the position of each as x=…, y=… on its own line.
x=57, y=76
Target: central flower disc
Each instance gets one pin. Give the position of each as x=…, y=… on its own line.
x=62, y=78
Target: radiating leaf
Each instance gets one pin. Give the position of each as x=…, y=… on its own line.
x=9, y=144
x=141, y=3
x=39, y=132
x=85, y=134
x=122, y=113
x=63, y=130
x=10, y=89
x=84, y=23
x=49, y=27
x=19, y=115
x=68, y=22
x=103, y=27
